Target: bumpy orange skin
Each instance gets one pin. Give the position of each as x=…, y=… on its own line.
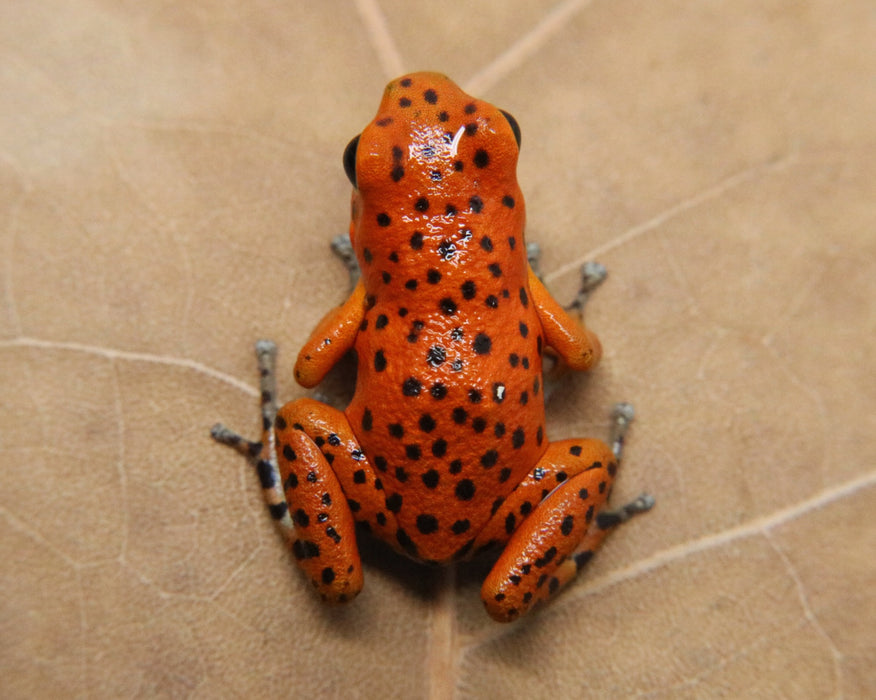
x=442, y=450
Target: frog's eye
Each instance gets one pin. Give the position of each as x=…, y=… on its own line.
x=350, y=159
x=515, y=127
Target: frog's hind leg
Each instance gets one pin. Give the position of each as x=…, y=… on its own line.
x=330, y=486
x=560, y=534
x=318, y=526
x=607, y=519
x=263, y=454
x=325, y=545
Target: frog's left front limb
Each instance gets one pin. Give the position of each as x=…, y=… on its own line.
x=332, y=338
x=578, y=347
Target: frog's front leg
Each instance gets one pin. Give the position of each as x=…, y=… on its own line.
x=560, y=534
x=576, y=345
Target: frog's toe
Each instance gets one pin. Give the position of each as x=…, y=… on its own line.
x=592, y=275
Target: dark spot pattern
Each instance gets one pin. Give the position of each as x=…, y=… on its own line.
x=394, y=503
x=465, y=490
x=447, y=306
x=518, y=438
x=436, y=356
x=482, y=344
x=489, y=459
x=546, y=558
x=412, y=387
x=431, y=478
x=460, y=526
x=447, y=250
x=427, y=423
x=427, y=523
x=567, y=525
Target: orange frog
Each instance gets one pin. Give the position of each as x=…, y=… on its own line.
x=442, y=451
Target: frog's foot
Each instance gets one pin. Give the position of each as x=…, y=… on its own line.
x=592, y=275
x=263, y=455
x=605, y=522
x=343, y=248
x=622, y=415
x=608, y=519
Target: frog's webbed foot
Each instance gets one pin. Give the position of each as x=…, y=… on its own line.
x=263, y=455
x=592, y=275
x=342, y=247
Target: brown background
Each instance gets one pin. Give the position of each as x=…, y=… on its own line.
x=169, y=181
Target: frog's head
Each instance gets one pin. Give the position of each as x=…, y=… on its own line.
x=431, y=151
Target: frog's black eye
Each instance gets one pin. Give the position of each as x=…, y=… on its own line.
x=515, y=127
x=350, y=159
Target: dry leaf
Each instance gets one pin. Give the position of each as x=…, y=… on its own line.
x=169, y=180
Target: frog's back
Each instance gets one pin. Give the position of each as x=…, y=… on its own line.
x=448, y=404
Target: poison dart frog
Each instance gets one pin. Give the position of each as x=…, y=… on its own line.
x=442, y=451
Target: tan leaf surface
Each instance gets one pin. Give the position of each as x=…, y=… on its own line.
x=169, y=181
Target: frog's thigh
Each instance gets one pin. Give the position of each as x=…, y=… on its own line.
x=329, y=485
x=553, y=531
x=561, y=461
